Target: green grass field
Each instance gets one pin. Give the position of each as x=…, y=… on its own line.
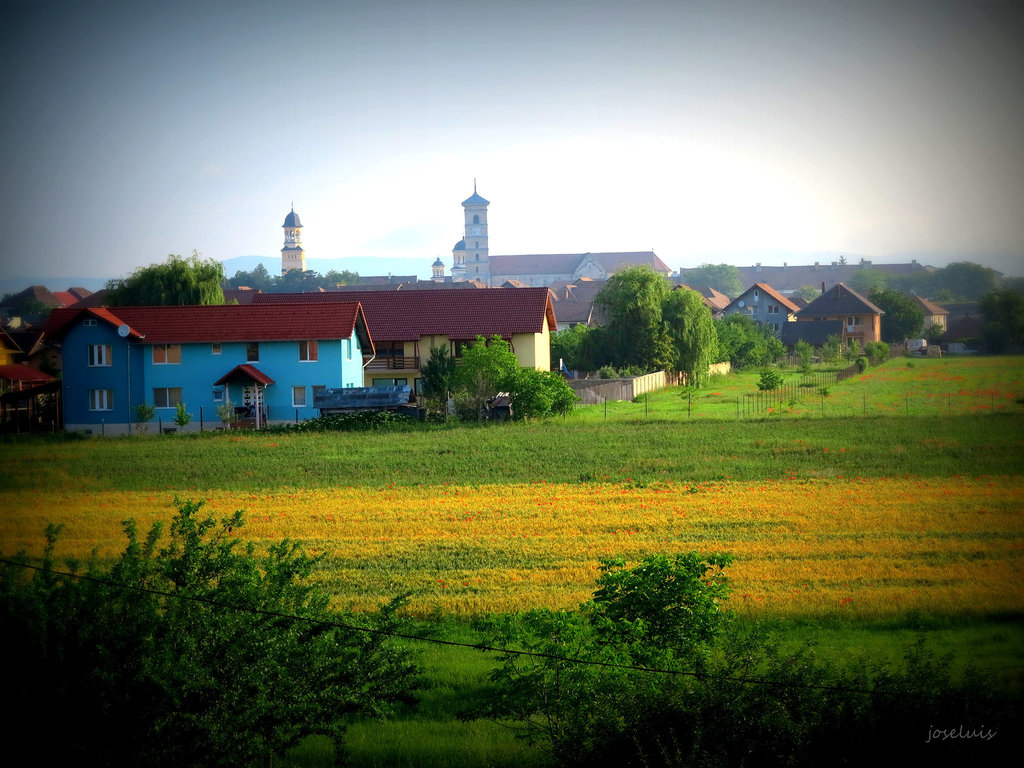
x=935, y=420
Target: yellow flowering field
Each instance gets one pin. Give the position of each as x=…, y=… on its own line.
x=844, y=546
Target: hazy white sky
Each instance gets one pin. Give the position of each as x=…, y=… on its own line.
x=699, y=129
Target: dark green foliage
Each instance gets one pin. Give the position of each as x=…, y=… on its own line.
x=728, y=695
x=438, y=376
x=832, y=349
x=536, y=394
x=362, y=421
x=807, y=293
x=178, y=281
x=903, y=318
x=179, y=666
x=721, y=277
x=965, y=280
x=634, y=334
x=769, y=380
x=566, y=345
x=259, y=279
x=877, y=351
x=692, y=332
x=1003, y=311
x=743, y=342
x=862, y=364
x=866, y=280
x=805, y=352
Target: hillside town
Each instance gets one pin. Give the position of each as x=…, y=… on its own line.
x=82, y=360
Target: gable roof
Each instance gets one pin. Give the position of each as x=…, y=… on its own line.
x=244, y=372
x=408, y=315
x=226, y=322
x=767, y=289
x=612, y=262
x=929, y=307
x=24, y=374
x=840, y=299
x=713, y=298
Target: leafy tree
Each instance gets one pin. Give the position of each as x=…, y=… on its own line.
x=852, y=351
x=903, y=318
x=143, y=412
x=178, y=281
x=566, y=345
x=933, y=332
x=721, y=277
x=259, y=279
x=488, y=367
x=965, y=280
x=877, y=351
x=438, y=375
x=27, y=307
x=185, y=652
x=805, y=352
x=692, y=332
x=866, y=280
x=743, y=342
x=344, y=277
x=181, y=416
x=832, y=349
x=634, y=333
x=807, y=292
x=1003, y=311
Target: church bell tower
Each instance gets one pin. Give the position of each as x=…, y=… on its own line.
x=292, y=255
x=471, y=260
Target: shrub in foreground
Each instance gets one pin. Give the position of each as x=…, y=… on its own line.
x=184, y=654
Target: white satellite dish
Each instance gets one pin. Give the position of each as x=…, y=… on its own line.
x=123, y=330
x=741, y=302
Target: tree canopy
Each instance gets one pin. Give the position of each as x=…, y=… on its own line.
x=1003, y=311
x=634, y=334
x=903, y=318
x=259, y=279
x=743, y=342
x=693, y=334
x=178, y=281
x=721, y=277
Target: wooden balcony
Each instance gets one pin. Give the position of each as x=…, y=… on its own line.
x=392, y=363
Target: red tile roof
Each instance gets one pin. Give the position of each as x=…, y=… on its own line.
x=23, y=373
x=767, y=289
x=226, y=323
x=408, y=315
x=245, y=372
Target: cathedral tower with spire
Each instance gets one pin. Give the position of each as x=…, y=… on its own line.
x=470, y=257
x=292, y=255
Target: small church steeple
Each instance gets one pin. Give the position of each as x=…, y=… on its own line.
x=292, y=255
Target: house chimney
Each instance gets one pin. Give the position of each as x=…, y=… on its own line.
x=758, y=266
x=816, y=265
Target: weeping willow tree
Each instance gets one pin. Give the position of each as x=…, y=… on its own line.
x=178, y=281
x=693, y=334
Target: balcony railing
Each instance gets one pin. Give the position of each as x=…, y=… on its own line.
x=390, y=363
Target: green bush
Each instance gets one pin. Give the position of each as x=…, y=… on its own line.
x=862, y=364
x=877, y=351
x=185, y=652
x=769, y=380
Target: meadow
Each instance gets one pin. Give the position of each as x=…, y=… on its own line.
x=890, y=506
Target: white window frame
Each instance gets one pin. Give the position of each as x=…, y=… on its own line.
x=218, y=395
x=167, y=397
x=309, y=351
x=296, y=390
x=101, y=399
x=166, y=351
x=100, y=355
x=215, y=348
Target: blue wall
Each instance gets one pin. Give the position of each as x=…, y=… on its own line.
x=196, y=373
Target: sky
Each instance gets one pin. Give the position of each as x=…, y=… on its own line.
x=706, y=131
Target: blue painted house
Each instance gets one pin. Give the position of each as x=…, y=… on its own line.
x=264, y=361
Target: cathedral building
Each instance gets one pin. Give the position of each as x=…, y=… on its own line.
x=471, y=259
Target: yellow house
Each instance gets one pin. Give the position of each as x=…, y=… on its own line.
x=406, y=324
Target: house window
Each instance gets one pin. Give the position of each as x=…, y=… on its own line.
x=166, y=354
x=853, y=320
x=390, y=383
x=299, y=397
x=308, y=351
x=252, y=352
x=99, y=357
x=773, y=309
x=218, y=395
x=101, y=399
x=166, y=397
x=215, y=349
x=348, y=348
x=88, y=323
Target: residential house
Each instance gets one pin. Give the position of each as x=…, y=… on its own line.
x=267, y=360
x=714, y=300
x=933, y=313
x=861, y=321
x=407, y=324
x=765, y=305
x=574, y=301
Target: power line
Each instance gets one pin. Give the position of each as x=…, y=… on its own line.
x=436, y=641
